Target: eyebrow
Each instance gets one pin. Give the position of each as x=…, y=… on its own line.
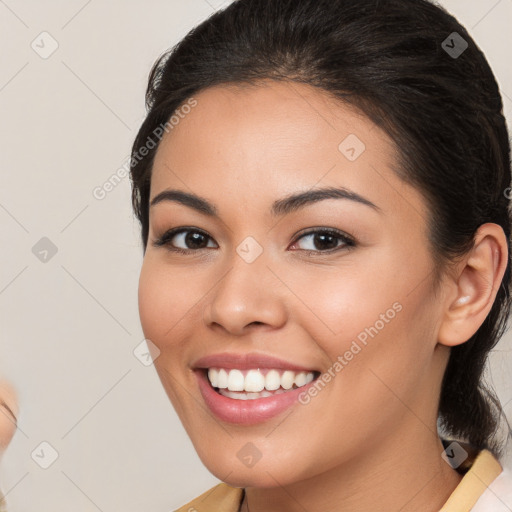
x=281, y=207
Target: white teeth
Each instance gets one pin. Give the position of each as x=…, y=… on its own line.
x=287, y=379
x=236, y=381
x=249, y=396
x=300, y=379
x=272, y=380
x=222, y=379
x=255, y=382
x=213, y=376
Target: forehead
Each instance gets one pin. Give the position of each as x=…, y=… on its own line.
x=271, y=139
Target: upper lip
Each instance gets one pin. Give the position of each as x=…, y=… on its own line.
x=247, y=361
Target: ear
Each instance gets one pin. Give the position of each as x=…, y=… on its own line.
x=474, y=286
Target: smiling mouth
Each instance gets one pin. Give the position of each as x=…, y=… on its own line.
x=250, y=384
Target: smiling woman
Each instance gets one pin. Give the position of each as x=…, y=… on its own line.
x=326, y=255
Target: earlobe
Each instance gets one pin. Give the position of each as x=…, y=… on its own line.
x=476, y=284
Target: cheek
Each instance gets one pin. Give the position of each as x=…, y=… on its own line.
x=161, y=307
x=170, y=301
x=160, y=299
x=367, y=314
x=149, y=299
x=372, y=289
x=342, y=303
x=381, y=349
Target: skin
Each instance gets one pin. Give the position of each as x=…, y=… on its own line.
x=373, y=426
x=8, y=413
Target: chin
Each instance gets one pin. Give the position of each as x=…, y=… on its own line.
x=268, y=474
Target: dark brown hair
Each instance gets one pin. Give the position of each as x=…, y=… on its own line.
x=431, y=90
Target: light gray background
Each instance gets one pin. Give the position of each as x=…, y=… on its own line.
x=69, y=325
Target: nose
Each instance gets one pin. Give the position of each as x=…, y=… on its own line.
x=248, y=296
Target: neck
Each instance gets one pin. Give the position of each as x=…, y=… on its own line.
x=406, y=474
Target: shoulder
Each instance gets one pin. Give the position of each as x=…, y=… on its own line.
x=220, y=498
x=498, y=495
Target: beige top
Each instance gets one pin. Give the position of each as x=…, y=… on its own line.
x=483, y=470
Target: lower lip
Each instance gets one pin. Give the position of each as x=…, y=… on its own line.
x=246, y=412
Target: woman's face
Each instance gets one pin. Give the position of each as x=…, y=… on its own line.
x=261, y=277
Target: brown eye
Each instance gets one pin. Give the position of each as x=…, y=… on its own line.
x=190, y=240
x=325, y=240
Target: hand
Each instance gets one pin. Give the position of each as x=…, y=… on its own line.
x=8, y=413
x=8, y=421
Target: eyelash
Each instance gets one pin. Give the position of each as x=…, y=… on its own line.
x=349, y=242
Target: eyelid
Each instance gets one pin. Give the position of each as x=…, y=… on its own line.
x=320, y=229
x=348, y=240
x=171, y=233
